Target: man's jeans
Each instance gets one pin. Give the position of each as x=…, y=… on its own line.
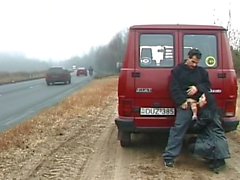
x=177, y=133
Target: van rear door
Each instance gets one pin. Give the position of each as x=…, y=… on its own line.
x=155, y=57
x=209, y=43
x=217, y=59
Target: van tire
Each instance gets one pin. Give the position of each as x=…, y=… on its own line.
x=125, y=139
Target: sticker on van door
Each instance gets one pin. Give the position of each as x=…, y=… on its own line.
x=210, y=61
x=144, y=90
x=215, y=91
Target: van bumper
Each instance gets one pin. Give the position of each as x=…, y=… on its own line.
x=128, y=125
x=125, y=125
x=230, y=124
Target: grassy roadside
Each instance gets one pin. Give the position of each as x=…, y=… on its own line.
x=80, y=105
x=6, y=78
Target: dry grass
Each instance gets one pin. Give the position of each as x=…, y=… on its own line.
x=85, y=104
x=6, y=77
x=80, y=105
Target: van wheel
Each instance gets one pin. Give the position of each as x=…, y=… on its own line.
x=125, y=138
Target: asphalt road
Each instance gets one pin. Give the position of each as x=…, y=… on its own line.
x=23, y=100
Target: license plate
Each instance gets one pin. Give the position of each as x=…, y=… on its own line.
x=157, y=111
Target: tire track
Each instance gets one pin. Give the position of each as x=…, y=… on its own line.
x=68, y=159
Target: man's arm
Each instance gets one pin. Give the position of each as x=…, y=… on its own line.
x=205, y=85
x=178, y=95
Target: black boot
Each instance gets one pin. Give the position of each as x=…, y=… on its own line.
x=217, y=165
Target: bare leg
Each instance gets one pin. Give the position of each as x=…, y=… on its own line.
x=194, y=110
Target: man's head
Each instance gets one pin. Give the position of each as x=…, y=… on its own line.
x=194, y=56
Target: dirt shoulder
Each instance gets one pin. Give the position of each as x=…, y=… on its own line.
x=74, y=145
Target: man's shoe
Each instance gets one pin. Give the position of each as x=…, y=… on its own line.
x=169, y=163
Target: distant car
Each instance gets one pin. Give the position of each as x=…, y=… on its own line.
x=82, y=71
x=58, y=74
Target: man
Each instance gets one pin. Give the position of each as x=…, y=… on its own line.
x=90, y=70
x=188, y=81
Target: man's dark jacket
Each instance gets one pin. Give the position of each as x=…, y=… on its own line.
x=183, y=77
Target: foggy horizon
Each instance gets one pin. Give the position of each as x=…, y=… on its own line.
x=58, y=30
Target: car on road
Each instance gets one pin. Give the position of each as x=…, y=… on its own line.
x=58, y=74
x=82, y=71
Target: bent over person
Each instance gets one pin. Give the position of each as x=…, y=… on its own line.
x=211, y=143
x=188, y=81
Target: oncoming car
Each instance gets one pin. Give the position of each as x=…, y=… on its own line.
x=82, y=71
x=58, y=74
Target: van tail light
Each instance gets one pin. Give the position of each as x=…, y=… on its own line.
x=126, y=107
x=230, y=108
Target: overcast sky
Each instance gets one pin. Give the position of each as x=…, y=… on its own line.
x=60, y=29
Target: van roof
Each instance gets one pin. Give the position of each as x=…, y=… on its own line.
x=178, y=26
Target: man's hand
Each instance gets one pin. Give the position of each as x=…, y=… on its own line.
x=192, y=90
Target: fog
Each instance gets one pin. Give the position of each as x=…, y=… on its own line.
x=19, y=63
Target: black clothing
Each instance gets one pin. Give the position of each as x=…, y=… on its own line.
x=211, y=142
x=183, y=77
x=90, y=70
x=216, y=165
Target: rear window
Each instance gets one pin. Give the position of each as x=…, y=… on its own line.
x=56, y=70
x=207, y=44
x=156, y=50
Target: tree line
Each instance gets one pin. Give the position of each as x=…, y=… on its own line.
x=104, y=59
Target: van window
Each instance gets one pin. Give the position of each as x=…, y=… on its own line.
x=156, y=50
x=207, y=44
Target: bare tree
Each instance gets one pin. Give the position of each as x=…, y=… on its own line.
x=233, y=34
x=107, y=57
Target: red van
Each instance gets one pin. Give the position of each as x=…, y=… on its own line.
x=144, y=101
